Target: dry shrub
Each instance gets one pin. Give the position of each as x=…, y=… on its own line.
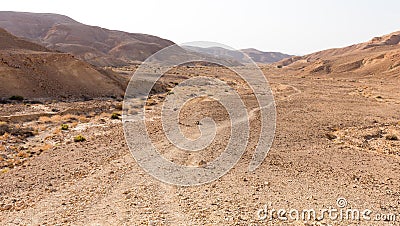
x=22, y=154
x=56, y=118
x=57, y=131
x=44, y=119
x=68, y=117
x=42, y=148
x=83, y=119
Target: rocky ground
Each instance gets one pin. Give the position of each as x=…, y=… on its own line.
x=336, y=137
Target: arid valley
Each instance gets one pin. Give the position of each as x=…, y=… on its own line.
x=64, y=158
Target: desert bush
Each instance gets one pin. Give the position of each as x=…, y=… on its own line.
x=64, y=127
x=44, y=119
x=83, y=119
x=43, y=148
x=115, y=115
x=79, y=138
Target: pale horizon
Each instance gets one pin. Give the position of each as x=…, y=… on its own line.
x=292, y=27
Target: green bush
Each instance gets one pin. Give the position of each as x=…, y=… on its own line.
x=115, y=115
x=79, y=138
x=64, y=127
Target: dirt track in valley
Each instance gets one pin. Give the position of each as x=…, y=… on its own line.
x=321, y=152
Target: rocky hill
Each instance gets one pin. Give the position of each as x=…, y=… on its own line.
x=96, y=45
x=379, y=56
x=34, y=72
x=240, y=56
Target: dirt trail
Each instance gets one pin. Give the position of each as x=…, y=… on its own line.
x=98, y=182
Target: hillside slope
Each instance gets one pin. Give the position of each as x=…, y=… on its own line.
x=379, y=56
x=264, y=57
x=96, y=45
x=240, y=56
x=32, y=71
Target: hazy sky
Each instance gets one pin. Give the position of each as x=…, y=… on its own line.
x=294, y=27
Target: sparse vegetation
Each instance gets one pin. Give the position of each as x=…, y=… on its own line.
x=79, y=138
x=64, y=127
x=337, y=128
x=115, y=115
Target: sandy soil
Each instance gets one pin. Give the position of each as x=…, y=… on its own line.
x=335, y=138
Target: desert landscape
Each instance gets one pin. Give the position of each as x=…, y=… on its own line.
x=64, y=158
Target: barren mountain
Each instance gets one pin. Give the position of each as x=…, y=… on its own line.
x=9, y=41
x=256, y=55
x=264, y=57
x=380, y=55
x=96, y=45
x=32, y=71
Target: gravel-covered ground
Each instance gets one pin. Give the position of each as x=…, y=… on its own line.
x=335, y=138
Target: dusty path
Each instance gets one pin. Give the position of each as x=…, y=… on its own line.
x=98, y=182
